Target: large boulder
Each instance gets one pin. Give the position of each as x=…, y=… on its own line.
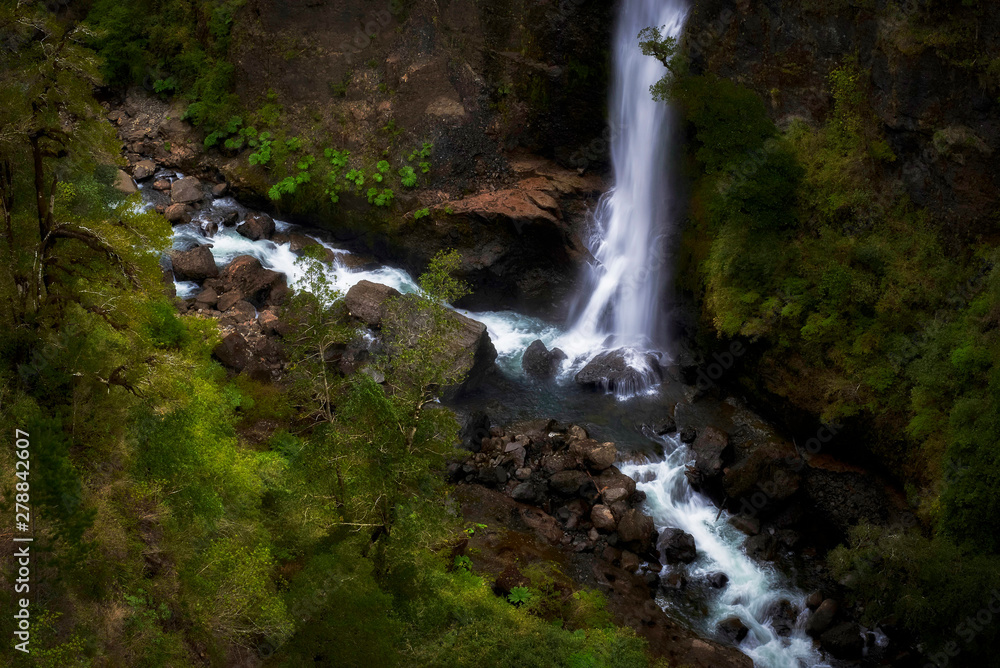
x=732, y=629
x=368, y=301
x=257, y=226
x=177, y=214
x=247, y=277
x=822, y=617
x=124, y=183
x=843, y=641
x=465, y=347
x=186, y=190
x=709, y=448
x=143, y=170
x=636, y=527
x=540, y=362
x=677, y=546
x=623, y=370
x=196, y=264
x=597, y=456
x=602, y=518
x=233, y=351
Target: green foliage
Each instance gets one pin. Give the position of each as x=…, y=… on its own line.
x=421, y=213
x=407, y=176
x=519, y=595
x=263, y=144
x=930, y=587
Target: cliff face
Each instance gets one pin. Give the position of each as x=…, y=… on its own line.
x=934, y=84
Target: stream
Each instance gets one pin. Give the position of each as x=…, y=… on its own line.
x=620, y=305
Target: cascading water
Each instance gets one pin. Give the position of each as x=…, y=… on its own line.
x=753, y=592
x=626, y=283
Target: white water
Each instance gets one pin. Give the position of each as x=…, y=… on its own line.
x=625, y=285
x=752, y=589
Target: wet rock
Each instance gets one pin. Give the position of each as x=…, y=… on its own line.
x=822, y=617
x=540, y=362
x=209, y=228
x=783, y=615
x=622, y=370
x=186, y=190
x=177, y=214
x=602, y=519
x=250, y=279
x=709, y=448
x=598, y=456
x=220, y=189
x=196, y=264
x=717, y=580
x=688, y=435
x=575, y=432
x=256, y=226
x=814, y=600
x=748, y=525
x=368, y=301
x=666, y=426
x=615, y=485
x=636, y=527
x=732, y=629
x=143, y=170
x=161, y=184
x=230, y=218
x=677, y=546
x=843, y=641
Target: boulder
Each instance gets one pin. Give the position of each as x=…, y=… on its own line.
x=177, y=214
x=688, y=435
x=527, y=492
x=822, y=617
x=233, y=351
x=368, y=301
x=636, y=527
x=124, y=183
x=227, y=300
x=717, y=580
x=240, y=313
x=540, y=362
x=207, y=298
x=597, y=456
x=220, y=189
x=783, y=615
x=602, y=519
x=209, y=228
x=709, y=448
x=230, y=218
x=843, y=641
x=161, y=184
x=196, y=264
x=677, y=546
x=568, y=482
x=748, y=525
x=143, y=170
x=250, y=279
x=732, y=629
x=630, y=561
x=667, y=426
x=616, y=485
x=271, y=324
x=466, y=350
x=256, y=226
x=186, y=190
x=622, y=370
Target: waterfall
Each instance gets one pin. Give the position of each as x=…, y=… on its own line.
x=625, y=285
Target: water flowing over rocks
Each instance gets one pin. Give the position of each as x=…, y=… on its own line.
x=540, y=362
x=534, y=478
x=623, y=370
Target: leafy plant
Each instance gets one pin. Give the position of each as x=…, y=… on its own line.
x=408, y=177
x=520, y=595
x=421, y=213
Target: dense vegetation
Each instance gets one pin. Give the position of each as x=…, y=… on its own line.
x=187, y=517
x=798, y=242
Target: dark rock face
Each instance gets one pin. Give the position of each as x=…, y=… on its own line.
x=677, y=546
x=540, y=362
x=367, y=301
x=822, y=617
x=196, y=264
x=636, y=527
x=257, y=226
x=177, y=214
x=143, y=170
x=233, y=351
x=709, y=448
x=622, y=369
x=938, y=117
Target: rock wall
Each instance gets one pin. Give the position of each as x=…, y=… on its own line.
x=933, y=84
